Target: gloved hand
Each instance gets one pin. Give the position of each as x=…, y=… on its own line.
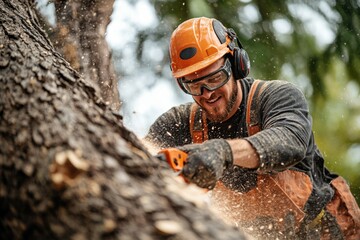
x=206, y=162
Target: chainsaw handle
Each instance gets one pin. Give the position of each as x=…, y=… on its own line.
x=175, y=158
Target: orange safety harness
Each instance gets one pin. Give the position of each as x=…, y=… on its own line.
x=280, y=196
x=275, y=196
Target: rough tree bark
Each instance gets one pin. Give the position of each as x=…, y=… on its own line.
x=68, y=168
x=80, y=37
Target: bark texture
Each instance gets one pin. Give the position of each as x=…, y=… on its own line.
x=68, y=167
x=80, y=37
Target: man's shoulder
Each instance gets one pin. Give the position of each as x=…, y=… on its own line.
x=277, y=82
x=276, y=91
x=273, y=86
x=181, y=109
x=175, y=113
x=171, y=128
x=249, y=81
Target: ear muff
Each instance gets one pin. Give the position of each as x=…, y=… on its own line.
x=240, y=62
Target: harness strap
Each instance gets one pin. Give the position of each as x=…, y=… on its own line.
x=253, y=123
x=198, y=124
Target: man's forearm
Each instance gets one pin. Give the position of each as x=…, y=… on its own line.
x=244, y=154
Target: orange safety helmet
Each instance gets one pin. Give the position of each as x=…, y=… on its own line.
x=195, y=44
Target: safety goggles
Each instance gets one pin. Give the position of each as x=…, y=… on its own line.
x=211, y=81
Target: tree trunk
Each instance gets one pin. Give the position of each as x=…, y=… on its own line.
x=68, y=167
x=80, y=28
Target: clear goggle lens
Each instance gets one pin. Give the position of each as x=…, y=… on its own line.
x=211, y=82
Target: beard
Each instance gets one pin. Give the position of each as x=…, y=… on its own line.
x=216, y=115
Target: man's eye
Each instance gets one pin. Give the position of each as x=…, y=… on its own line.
x=214, y=78
x=195, y=85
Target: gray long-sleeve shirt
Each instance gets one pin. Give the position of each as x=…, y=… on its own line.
x=285, y=141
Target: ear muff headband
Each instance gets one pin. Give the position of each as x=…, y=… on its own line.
x=239, y=59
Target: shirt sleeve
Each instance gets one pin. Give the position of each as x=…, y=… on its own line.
x=286, y=127
x=171, y=129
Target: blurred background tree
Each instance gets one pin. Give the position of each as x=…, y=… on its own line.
x=314, y=44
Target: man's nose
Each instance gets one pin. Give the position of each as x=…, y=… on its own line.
x=206, y=93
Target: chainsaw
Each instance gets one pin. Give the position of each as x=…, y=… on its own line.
x=174, y=157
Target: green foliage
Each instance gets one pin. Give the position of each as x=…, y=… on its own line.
x=281, y=40
x=337, y=130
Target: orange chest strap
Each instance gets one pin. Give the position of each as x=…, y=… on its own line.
x=198, y=124
x=253, y=121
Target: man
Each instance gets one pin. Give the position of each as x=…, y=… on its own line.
x=250, y=141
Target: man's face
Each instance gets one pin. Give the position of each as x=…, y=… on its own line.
x=219, y=104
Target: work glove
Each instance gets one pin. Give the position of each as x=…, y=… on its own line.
x=206, y=162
